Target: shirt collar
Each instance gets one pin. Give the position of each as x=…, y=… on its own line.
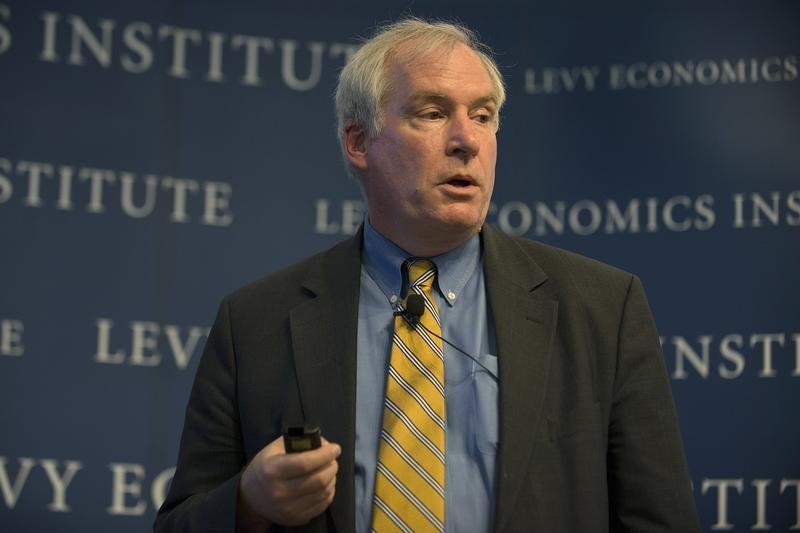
x=382, y=259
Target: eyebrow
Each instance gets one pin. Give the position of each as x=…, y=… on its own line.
x=431, y=96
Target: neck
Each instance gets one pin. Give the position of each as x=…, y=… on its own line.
x=426, y=243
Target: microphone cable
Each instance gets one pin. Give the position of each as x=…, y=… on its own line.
x=413, y=311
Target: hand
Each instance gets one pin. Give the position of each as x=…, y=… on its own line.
x=287, y=489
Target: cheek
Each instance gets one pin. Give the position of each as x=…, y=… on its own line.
x=490, y=159
x=409, y=162
x=491, y=149
x=416, y=163
x=402, y=156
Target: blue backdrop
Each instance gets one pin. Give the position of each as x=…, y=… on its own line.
x=151, y=153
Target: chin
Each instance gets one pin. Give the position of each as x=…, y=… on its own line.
x=461, y=224
x=465, y=218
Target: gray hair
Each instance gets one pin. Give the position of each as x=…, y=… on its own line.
x=364, y=83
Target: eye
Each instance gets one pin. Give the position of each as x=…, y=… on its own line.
x=483, y=117
x=431, y=114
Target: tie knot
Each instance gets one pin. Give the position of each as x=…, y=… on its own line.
x=421, y=272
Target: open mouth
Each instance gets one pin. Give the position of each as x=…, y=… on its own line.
x=460, y=182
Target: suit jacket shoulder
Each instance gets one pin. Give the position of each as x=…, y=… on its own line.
x=297, y=283
x=559, y=265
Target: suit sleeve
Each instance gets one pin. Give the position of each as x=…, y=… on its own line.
x=648, y=480
x=203, y=493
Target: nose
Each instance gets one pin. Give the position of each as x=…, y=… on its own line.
x=462, y=141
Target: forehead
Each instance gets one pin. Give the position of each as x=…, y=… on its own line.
x=443, y=70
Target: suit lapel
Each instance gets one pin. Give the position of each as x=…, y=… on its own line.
x=324, y=341
x=525, y=323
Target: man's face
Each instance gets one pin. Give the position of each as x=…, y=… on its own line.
x=429, y=174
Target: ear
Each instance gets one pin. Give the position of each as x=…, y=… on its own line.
x=355, y=145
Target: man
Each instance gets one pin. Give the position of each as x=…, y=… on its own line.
x=553, y=409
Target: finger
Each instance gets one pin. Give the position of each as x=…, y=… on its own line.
x=300, y=510
x=276, y=447
x=291, y=502
x=314, y=482
x=300, y=464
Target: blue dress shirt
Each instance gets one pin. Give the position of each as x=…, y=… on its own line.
x=471, y=394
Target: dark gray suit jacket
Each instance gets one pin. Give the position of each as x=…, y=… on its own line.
x=589, y=440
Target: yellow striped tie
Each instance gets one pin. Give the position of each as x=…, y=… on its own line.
x=409, y=482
